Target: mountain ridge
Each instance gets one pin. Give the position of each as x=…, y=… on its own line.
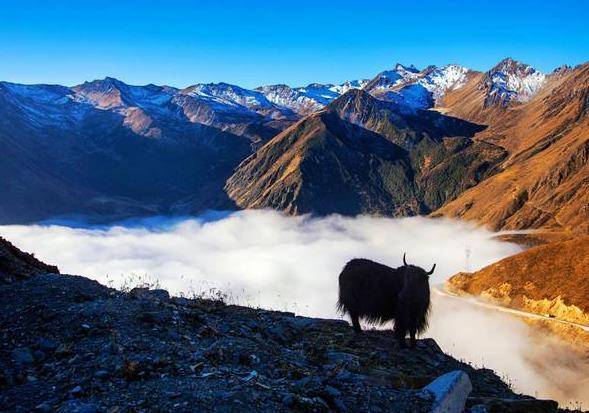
x=335, y=149
x=175, y=150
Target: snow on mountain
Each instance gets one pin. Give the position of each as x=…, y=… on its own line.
x=439, y=80
x=414, y=89
x=110, y=93
x=53, y=94
x=139, y=105
x=147, y=108
x=389, y=79
x=510, y=81
x=293, y=99
x=350, y=84
x=41, y=105
x=411, y=97
x=310, y=98
x=229, y=95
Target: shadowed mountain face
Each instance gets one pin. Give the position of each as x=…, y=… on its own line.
x=363, y=155
x=63, y=156
x=507, y=147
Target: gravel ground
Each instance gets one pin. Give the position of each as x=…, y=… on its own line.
x=70, y=344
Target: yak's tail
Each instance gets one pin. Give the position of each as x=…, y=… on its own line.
x=340, y=305
x=423, y=322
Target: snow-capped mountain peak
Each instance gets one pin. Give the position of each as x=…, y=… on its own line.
x=390, y=79
x=439, y=80
x=414, y=89
x=510, y=81
x=308, y=98
x=111, y=93
x=227, y=94
x=400, y=68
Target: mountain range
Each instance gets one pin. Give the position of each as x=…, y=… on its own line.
x=507, y=147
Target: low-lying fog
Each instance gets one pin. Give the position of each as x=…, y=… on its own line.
x=266, y=259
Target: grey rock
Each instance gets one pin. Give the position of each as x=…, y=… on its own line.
x=77, y=406
x=76, y=391
x=147, y=294
x=47, y=344
x=449, y=392
x=350, y=361
x=101, y=374
x=39, y=355
x=22, y=356
x=288, y=399
x=332, y=391
x=43, y=408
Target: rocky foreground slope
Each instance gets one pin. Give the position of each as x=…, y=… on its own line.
x=16, y=264
x=73, y=345
x=70, y=344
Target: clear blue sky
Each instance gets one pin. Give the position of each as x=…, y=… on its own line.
x=295, y=42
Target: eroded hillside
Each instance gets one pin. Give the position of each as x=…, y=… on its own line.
x=549, y=279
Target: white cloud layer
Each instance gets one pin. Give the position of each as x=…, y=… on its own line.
x=266, y=259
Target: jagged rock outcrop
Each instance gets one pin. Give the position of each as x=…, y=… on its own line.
x=16, y=264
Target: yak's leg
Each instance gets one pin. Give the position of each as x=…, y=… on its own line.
x=399, y=334
x=356, y=323
x=412, y=332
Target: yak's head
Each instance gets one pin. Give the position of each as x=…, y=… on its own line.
x=416, y=275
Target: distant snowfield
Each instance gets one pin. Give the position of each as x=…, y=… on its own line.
x=267, y=259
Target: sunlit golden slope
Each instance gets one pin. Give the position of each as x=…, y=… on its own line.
x=544, y=182
x=550, y=279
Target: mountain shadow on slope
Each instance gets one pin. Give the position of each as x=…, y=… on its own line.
x=362, y=155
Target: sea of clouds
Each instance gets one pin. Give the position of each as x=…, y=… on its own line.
x=267, y=259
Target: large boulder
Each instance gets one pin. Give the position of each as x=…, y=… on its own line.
x=449, y=392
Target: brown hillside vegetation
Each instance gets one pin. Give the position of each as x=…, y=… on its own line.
x=544, y=182
x=548, y=279
x=363, y=155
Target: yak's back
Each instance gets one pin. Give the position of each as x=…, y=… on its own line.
x=360, y=272
x=365, y=266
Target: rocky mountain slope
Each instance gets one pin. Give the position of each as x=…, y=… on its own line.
x=544, y=181
x=308, y=99
x=72, y=345
x=108, y=149
x=132, y=151
x=364, y=155
x=524, y=167
x=549, y=280
x=506, y=148
x=16, y=264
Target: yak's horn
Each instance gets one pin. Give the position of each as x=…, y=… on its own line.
x=432, y=270
x=404, y=261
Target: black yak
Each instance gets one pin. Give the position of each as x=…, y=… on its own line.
x=377, y=293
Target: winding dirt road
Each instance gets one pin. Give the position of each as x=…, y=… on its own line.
x=439, y=290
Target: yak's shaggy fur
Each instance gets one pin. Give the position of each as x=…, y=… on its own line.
x=378, y=294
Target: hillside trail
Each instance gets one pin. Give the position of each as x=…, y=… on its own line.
x=439, y=290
